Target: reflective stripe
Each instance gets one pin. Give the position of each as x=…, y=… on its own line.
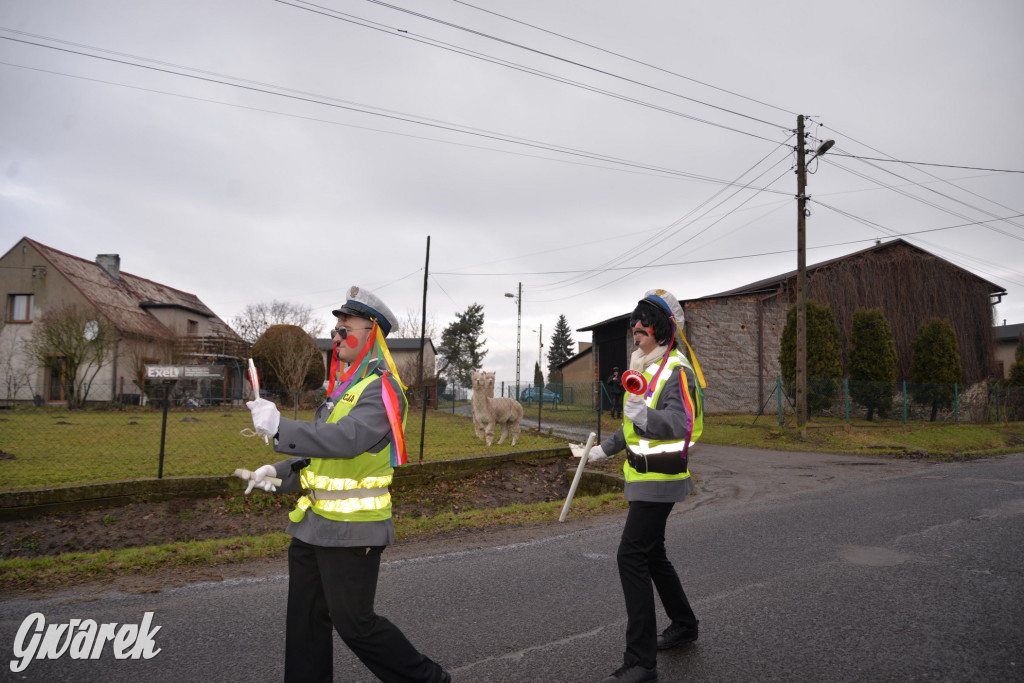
x=312, y=480
x=369, y=493
x=644, y=447
x=343, y=506
x=340, y=495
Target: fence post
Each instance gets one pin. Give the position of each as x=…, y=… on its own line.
x=778, y=392
x=956, y=398
x=997, y=402
x=904, y=401
x=846, y=395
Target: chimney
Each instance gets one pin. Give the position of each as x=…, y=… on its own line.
x=111, y=265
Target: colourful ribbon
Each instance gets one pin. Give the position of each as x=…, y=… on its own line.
x=394, y=411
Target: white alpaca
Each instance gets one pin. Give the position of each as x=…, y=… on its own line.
x=489, y=412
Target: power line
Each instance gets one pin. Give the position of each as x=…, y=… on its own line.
x=403, y=118
x=727, y=258
x=931, y=203
x=678, y=225
x=481, y=34
x=275, y=112
x=622, y=56
x=923, y=163
x=408, y=35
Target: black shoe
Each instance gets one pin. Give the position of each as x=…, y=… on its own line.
x=632, y=674
x=674, y=636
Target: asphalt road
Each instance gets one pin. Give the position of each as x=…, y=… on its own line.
x=916, y=574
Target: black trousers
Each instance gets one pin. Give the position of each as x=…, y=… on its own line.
x=336, y=587
x=643, y=562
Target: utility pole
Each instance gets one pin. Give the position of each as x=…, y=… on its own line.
x=519, y=326
x=801, y=280
x=423, y=341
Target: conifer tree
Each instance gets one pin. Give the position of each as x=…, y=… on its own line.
x=560, y=349
x=872, y=361
x=935, y=366
x=824, y=364
x=462, y=350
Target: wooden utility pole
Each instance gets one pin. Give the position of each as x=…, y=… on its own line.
x=801, y=280
x=423, y=342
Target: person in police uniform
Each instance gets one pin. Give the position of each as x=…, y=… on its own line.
x=343, y=461
x=656, y=431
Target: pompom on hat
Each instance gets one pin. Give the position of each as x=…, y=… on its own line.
x=365, y=304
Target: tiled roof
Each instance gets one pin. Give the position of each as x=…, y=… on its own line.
x=124, y=302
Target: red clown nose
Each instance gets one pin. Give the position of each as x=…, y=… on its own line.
x=634, y=382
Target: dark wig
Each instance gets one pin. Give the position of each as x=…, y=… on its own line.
x=652, y=315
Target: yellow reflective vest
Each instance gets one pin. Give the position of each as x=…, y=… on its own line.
x=695, y=413
x=367, y=476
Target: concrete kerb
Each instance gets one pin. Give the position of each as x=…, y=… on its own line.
x=27, y=503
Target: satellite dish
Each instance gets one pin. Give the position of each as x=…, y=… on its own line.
x=92, y=328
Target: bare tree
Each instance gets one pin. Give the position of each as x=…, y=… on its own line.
x=16, y=372
x=140, y=351
x=75, y=343
x=409, y=327
x=258, y=318
x=287, y=358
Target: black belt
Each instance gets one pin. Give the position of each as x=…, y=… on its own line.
x=658, y=463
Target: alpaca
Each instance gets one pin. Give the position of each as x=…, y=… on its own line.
x=490, y=412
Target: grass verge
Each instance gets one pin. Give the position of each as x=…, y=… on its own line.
x=45, y=573
x=949, y=441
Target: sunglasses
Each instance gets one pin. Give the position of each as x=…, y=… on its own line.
x=643, y=320
x=342, y=331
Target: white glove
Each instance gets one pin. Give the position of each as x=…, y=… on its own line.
x=636, y=411
x=265, y=416
x=597, y=454
x=258, y=477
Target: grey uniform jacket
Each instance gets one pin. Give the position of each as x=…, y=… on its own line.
x=365, y=429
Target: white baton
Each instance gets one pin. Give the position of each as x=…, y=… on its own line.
x=576, y=479
x=254, y=381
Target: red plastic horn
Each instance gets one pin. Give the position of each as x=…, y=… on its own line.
x=634, y=382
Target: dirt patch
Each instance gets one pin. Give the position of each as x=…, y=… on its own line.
x=145, y=524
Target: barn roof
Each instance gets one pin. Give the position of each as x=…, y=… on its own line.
x=773, y=283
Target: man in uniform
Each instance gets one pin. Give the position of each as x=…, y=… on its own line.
x=343, y=461
x=657, y=431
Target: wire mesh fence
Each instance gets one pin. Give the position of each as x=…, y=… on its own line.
x=40, y=444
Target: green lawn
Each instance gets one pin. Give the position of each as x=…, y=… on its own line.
x=54, y=446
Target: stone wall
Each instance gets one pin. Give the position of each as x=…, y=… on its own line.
x=737, y=341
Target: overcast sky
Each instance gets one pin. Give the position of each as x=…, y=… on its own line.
x=250, y=150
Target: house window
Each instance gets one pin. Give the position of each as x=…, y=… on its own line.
x=19, y=308
x=193, y=327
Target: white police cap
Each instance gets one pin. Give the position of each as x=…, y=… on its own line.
x=365, y=304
